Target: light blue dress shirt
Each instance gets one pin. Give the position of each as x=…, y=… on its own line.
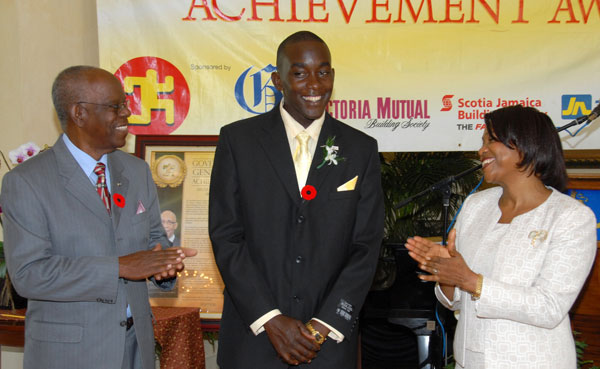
x=87, y=163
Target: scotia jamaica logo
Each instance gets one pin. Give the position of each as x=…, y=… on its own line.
x=158, y=94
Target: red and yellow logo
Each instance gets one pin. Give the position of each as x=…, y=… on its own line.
x=159, y=96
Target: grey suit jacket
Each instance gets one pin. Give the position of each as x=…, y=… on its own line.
x=62, y=250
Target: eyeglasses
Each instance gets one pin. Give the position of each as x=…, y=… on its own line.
x=116, y=107
x=169, y=222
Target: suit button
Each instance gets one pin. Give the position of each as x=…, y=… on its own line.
x=296, y=298
x=123, y=323
x=298, y=259
x=300, y=219
x=125, y=282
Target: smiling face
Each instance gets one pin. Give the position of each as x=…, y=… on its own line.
x=100, y=129
x=500, y=162
x=305, y=77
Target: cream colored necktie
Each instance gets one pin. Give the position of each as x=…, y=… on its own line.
x=302, y=159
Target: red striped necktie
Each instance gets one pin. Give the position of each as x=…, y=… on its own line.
x=101, y=186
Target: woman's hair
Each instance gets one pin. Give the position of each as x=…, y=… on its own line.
x=534, y=136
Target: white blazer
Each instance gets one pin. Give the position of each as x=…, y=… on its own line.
x=539, y=266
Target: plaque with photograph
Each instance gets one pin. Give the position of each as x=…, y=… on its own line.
x=181, y=168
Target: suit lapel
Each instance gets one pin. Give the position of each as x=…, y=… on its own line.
x=77, y=183
x=119, y=185
x=275, y=144
x=316, y=177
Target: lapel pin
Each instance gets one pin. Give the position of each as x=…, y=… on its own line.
x=540, y=235
x=308, y=192
x=119, y=200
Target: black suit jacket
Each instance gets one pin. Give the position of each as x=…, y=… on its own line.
x=277, y=251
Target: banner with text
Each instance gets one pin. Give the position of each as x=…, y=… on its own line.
x=418, y=75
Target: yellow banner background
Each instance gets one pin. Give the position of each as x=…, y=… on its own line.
x=482, y=53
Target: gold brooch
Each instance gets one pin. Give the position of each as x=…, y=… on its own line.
x=538, y=236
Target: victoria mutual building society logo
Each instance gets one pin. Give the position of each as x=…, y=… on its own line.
x=158, y=94
x=254, y=90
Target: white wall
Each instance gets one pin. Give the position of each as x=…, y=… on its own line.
x=39, y=38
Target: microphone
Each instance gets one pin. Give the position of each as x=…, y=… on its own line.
x=587, y=119
x=594, y=114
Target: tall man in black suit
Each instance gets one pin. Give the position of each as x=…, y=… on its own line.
x=296, y=267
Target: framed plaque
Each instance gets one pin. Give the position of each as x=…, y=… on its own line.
x=181, y=168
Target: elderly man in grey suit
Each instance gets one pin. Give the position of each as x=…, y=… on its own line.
x=83, y=232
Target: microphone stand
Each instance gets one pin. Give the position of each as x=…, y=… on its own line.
x=445, y=185
x=580, y=120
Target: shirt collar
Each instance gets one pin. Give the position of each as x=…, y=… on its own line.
x=85, y=161
x=292, y=127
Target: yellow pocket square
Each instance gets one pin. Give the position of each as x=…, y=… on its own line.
x=348, y=186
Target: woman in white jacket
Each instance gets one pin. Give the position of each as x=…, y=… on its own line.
x=519, y=254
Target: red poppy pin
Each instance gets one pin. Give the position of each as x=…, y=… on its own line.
x=119, y=200
x=308, y=192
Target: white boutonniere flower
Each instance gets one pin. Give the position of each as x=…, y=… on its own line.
x=330, y=153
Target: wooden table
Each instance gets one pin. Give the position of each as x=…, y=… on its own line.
x=12, y=327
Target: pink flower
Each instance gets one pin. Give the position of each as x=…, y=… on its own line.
x=30, y=149
x=23, y=152
x=17, y=157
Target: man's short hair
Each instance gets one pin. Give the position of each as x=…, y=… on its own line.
x=66, y=92
x=292, y=39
